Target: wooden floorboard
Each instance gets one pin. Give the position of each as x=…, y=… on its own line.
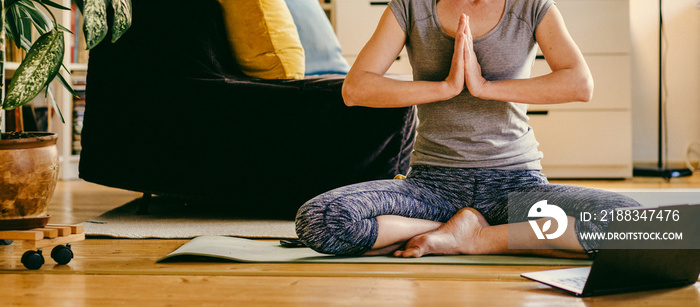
x=187, y=290
x=110, y=272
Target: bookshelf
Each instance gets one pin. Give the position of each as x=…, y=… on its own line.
x=75, y=60
x=77, y=55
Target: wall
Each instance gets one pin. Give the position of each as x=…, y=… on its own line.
x=682, y=26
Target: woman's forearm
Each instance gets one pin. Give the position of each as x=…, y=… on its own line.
x=565, y=85
x=372, y=90
x=562, y=86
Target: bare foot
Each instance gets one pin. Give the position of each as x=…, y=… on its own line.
x=457, y=236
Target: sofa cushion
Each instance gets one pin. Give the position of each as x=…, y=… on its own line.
x=321, y=47
x=264, y=38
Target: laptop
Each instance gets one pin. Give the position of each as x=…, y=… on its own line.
x=626, y=270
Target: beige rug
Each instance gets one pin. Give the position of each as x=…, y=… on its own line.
x=173, y=220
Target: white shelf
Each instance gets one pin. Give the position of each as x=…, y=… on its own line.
x=77, y=66
x=72, y=66
x=11, y=65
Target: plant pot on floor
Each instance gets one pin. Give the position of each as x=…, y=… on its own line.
x=28, y=176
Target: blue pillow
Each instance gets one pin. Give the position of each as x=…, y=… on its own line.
x=321, y=47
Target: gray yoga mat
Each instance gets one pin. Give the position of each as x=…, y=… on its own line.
x=246, y=250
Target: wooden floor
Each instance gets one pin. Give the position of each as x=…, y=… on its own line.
x=108, y=272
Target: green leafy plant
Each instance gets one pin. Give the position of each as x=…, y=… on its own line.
x=44, y=57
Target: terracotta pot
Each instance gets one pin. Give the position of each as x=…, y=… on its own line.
x=28, y=175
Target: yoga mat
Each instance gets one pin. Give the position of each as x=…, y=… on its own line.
x=246, y=250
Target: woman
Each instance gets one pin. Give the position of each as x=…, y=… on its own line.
x=475, y=166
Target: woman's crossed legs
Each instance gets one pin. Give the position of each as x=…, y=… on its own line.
x=448, y=211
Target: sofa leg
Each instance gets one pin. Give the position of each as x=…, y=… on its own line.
x=145, y=203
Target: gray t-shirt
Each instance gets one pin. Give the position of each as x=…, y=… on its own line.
x=466, y=131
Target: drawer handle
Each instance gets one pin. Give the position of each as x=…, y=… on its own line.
x=379, y=3
x=539, y=57
x=537, y=112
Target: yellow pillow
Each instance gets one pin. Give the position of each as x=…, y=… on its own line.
x=264, y=38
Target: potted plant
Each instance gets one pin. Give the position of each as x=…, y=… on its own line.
x=29, y=160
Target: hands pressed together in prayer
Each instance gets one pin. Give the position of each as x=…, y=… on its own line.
x=465, y=70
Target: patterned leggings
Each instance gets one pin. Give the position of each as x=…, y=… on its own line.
x=342, y=221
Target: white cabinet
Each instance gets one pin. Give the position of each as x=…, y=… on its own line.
x=354, y=22
x=594, y=139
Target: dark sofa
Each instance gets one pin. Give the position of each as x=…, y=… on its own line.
x=169, y=113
